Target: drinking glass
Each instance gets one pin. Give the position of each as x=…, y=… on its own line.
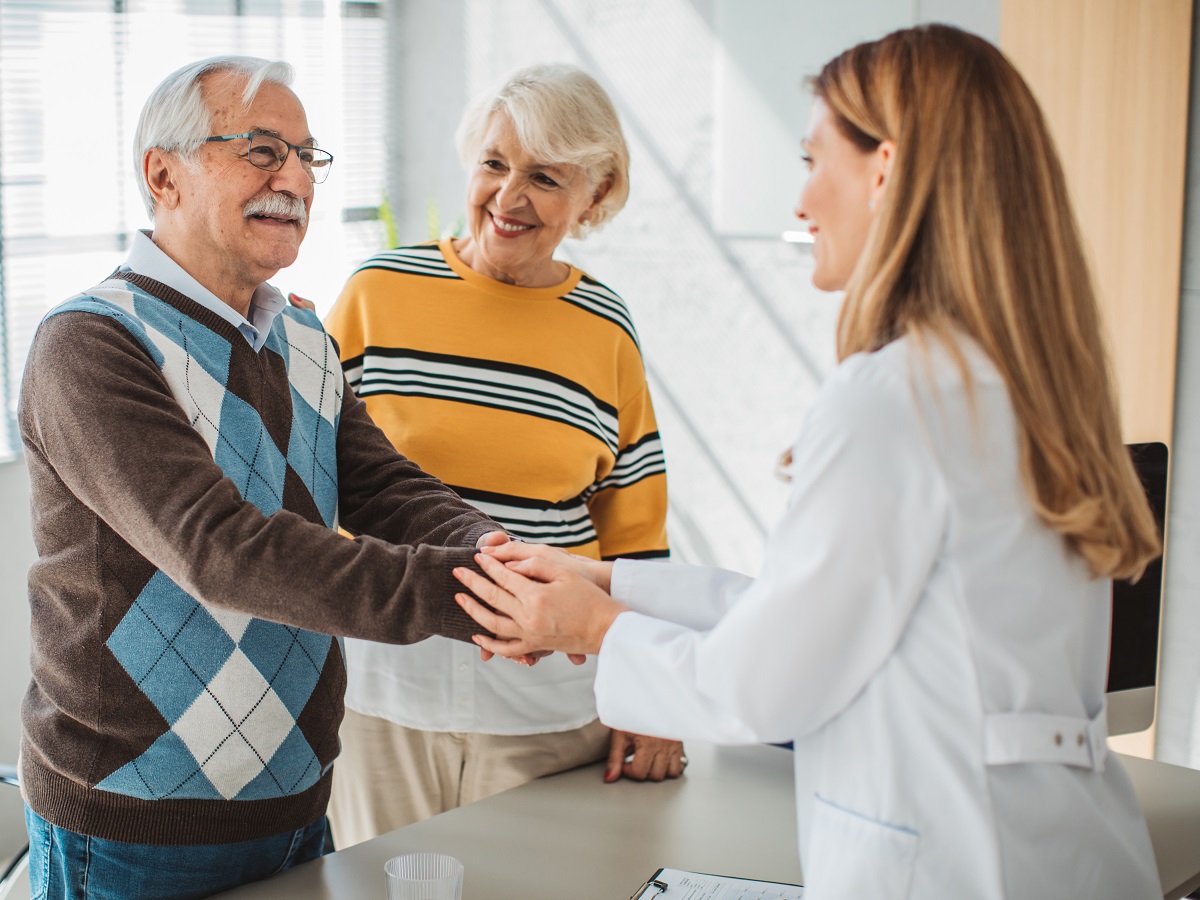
x=423, y=876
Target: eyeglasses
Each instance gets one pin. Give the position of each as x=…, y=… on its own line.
x=270, y=153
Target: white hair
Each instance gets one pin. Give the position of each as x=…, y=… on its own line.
x=562, y=117
x=176, y=117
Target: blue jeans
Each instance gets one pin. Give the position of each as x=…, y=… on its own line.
x=64, y=865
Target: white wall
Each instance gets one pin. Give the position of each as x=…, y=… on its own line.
x=764, y=51
x=16, y=553
x=426, y=89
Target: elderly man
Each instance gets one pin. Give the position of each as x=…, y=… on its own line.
x=192, y=447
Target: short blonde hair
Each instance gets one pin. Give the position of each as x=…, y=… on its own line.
x=975, y=234
x=562, y=117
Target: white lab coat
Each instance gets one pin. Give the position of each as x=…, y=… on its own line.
x=937, y=655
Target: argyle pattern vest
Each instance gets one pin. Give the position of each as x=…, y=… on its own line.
x=249, y=707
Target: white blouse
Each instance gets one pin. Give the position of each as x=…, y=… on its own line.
x=442, y=685
x=937, y=654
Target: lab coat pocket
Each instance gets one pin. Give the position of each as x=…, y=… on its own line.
x=852, y=856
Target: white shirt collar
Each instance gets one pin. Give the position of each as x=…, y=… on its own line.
x=147, y=259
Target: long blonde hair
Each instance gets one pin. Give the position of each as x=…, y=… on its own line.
x=975, y=234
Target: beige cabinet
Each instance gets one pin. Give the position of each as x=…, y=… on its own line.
x=1112, y=77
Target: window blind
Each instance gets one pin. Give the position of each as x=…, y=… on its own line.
x=73, y=77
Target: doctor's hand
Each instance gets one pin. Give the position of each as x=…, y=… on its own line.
x=545, y=606
x=643, y=758
x=492, y=539
x=516, y=556
x=497, y=539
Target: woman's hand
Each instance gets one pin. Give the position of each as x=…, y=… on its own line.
x=642, y=758
x=301, y=303
x=515, y=554
x=544, y=606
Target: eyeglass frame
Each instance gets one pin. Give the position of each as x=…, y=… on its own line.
x=251, y=135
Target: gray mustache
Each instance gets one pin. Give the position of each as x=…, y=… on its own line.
x=275, y=204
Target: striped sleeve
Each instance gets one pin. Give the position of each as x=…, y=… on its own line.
x=346, y=323
x=629, y=504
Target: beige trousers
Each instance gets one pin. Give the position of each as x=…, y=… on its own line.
x=388, y=776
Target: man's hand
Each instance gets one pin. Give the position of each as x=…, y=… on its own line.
x=643, y=758
x=492, y=539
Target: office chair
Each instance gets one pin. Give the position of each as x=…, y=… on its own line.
x=14, y=880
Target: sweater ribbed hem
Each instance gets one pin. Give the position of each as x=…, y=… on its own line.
x=454, y=621
x=117, y=817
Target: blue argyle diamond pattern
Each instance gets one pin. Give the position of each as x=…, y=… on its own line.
x=166, y=771
x=204, y=346
x=313, y=434
x=292, y=769
x=317, y=385
x=289, y=659
x=170, y=646
x=247, y=454
x=115, y=303
x=230, y=688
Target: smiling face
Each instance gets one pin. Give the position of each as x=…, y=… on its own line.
x=519, y=209
x=231, y=225
x=836, y=201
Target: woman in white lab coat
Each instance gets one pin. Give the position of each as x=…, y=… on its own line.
x=930, y=626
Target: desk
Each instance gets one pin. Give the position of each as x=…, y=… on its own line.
x=1170, y=798
x=733, y=813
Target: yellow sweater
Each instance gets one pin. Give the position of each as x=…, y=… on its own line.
x=531, y=403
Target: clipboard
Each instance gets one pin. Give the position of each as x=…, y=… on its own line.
x=677, y=884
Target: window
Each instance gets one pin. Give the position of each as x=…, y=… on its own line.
x=73, y=77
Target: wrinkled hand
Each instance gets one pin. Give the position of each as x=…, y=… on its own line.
x=297, y=300
x=642, y=758
x=537, y=604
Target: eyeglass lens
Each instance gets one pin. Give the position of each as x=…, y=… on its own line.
x=270, y=153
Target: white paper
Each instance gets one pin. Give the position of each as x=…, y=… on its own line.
x=694, y=886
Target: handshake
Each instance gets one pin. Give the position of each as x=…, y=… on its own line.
x=541, y=599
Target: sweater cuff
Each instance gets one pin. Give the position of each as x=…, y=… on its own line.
x=472, y=537
x=453, y=621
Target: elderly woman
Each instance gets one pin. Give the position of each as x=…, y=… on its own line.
x=517, y=379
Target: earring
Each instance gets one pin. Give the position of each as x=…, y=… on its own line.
x=585, y=228
x=871, y=203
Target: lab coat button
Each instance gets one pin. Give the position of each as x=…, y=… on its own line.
x=1079, y=740
x=1058, y=740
